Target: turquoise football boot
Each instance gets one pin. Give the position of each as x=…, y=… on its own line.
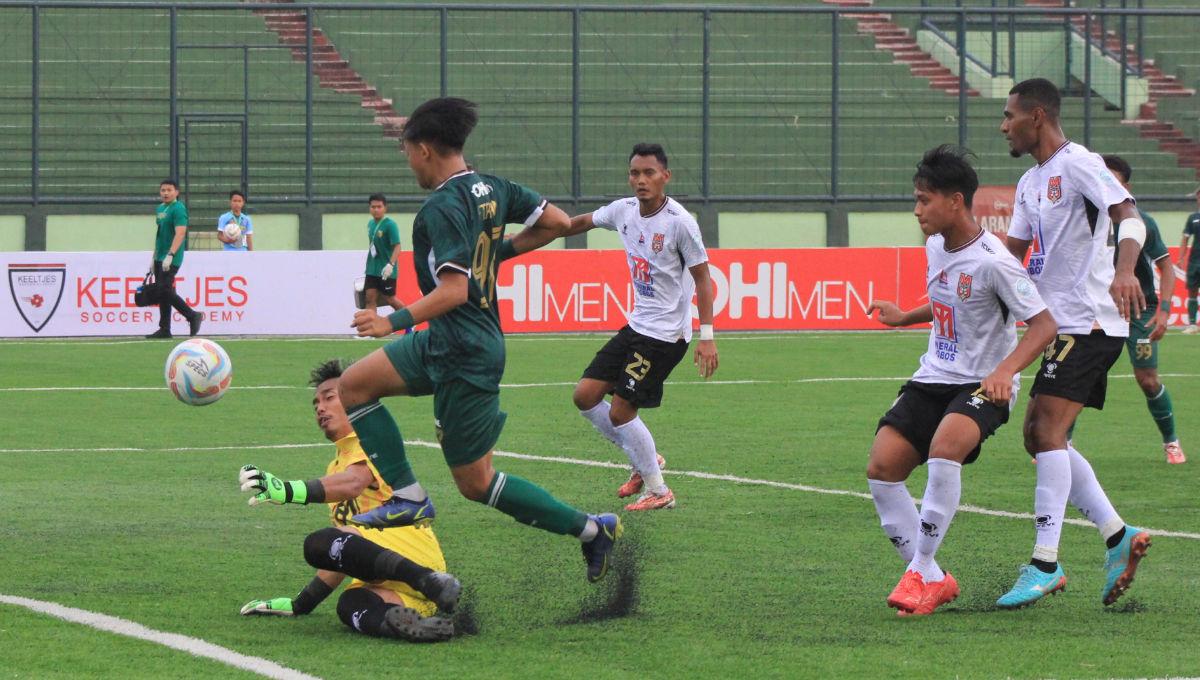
x=1032, y=585
x=1122, y=562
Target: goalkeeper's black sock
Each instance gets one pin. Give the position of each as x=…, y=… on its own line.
x=356, y=556
x=363, y=611
x=312, y=595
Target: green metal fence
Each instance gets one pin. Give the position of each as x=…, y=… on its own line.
x=771, y=104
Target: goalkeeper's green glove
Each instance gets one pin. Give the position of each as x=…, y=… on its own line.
x=279, y=606
x=267, y=488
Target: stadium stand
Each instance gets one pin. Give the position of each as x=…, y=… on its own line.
x=104, y=107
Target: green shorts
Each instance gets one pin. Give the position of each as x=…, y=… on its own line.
x=1143, y=353
x=467, y=417
x=1193, y=275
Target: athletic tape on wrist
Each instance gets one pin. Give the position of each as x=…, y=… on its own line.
x=706, y=331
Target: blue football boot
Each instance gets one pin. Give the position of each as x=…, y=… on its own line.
x=396, y=512
x=1032, y=585
x=597, y=551
x=1121, y=563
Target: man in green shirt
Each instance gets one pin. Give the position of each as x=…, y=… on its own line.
x=1189, y=261
x=383, y=254
x=458, y=236
x=170, y=242
x=1145, y=331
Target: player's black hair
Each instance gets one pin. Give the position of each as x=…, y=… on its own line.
x=237, y=192
x=326, y=370
x=1120, y=166
x=945, y=169
x=1038, y=92
x=644, y=149
x=445, y=123
x=171, y=182
x=376, y=197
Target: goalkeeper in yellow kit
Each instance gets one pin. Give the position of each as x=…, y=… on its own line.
x=399, y=581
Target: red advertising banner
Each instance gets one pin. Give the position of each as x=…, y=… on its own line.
x=795, y=289
x=993, y=208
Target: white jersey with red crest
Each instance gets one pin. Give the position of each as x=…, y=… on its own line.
x=659, y=248
x=978, y=292
x=1062, y=208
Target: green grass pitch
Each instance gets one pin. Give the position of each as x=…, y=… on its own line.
x=741, y=579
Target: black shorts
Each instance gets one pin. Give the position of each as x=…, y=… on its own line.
x=920, y=408
x=637, y=365
x=1075, y=367
x=385, y=286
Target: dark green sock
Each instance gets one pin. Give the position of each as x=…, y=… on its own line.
x=530, y=504
x=380, y=438
x=1192, y=305
x=1164, y=416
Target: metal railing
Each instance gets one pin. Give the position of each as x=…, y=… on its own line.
x=751, y=117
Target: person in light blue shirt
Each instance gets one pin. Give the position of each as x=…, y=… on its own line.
x=244, y=240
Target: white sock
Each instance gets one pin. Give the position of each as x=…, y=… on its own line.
x=897, y=515
x=937, y=511
x=1050, y=502
x=598, y=416
x=413, y=492
x=638, y=443
x=589, y=531
x=1089, y=498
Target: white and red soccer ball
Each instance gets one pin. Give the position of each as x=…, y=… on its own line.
x=198, y=371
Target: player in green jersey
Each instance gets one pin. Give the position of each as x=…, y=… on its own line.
x=170, y=242
x=458, y=235
x=1189, y=261
x=1146, y=330
x=383, y=256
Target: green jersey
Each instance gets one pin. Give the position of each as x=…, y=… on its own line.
x=461, y=226
x=382, y=238
x=168, y=217
x=1192, y=228
x=1153, y=250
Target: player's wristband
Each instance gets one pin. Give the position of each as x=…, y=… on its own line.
x=1165, y=305
x=400, y=319
x=314, y=491
x=706, y=331
x=507, y=250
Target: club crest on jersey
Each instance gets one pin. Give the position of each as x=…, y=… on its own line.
x=1054, y=189
x=657, y=244
x=964, y=287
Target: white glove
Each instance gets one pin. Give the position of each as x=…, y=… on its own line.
x=386, y=272
x=166, y=262
x=279, y=606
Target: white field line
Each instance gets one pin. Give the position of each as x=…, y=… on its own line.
x=673, y=383
x=183, y=643
x=974, y=509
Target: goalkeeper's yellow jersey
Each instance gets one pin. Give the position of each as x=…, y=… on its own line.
x=418, y=544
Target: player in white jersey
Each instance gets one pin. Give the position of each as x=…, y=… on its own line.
x=668, y=264
x=1059, y=209
x=967, y=380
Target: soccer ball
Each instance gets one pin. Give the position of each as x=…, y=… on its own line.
x=232, y=230
x=198, y=371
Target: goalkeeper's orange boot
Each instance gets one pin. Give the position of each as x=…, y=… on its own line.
x=634, y=485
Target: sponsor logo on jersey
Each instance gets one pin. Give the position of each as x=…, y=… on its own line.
x=1054, y=189
x=639, y=270
x=945, y=342
x=964, y=286
x=1037, y=256
x=657, y=244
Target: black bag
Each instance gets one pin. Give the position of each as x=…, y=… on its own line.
x=149, y=293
